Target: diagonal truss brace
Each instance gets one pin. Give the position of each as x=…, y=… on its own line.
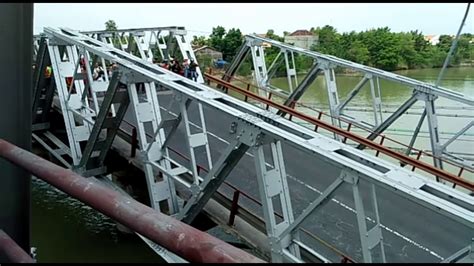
x=98, y=145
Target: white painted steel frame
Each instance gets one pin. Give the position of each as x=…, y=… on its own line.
x=327, y=63
x=396, y=179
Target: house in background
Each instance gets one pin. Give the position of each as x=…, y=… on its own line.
x=207, y=51
x=302, y=38
x=432, y=39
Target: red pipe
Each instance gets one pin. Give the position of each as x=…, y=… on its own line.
x=11, y=249
x=174, y=235
x=366, y=142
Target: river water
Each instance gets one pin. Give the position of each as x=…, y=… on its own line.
x=65, y=230
x=452, y=116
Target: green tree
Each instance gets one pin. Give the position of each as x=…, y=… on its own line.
x=329, y=40
x=445, y=42
x=271, y=35
x=199, y=41
x=384, y=48
x=408, y=54
x=232, y=42
x=110, y=25
x=358, y=52
x=216, y=39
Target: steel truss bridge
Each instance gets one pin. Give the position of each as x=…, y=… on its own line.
x=324, y=66
x=318, y=198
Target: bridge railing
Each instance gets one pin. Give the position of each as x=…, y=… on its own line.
x=346, y=134
x=383, y=139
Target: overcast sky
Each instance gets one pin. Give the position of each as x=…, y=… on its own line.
x=199, y=18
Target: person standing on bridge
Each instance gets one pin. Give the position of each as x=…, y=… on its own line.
x=99, y=73
x=175, y=67
x=192, y=70
x=186, y=68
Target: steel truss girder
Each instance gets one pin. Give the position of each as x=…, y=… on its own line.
x=216, y=176
x=372, y=75
x=144, y=46
x=353, y=92
x=101, y=144
x=236, y=62
x=65, y=65
x=43, y=88
x=369, y=239
x=273, y=183
x=402, y=182
x=417, y=85
x=392, y=118
x=290, y=70
x=259, y=66
x=333, y=97
x=147, y=110
x=302, y=87
x=207, y=96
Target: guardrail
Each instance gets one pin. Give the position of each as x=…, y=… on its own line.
x=346, y=134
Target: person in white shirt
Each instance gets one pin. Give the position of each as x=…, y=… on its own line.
x=99, y=73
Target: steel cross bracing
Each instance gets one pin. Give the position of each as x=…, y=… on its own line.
x=36, y=42
x=148, y=39
x=252, y=129
x=326, y=64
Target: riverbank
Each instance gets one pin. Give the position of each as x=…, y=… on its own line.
x=349, y=72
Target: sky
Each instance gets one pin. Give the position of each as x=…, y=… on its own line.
x=200, y=18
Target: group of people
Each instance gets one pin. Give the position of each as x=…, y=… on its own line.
x=99, y=72
x=187, y=69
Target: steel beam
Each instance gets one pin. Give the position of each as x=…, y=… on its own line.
x=353, y=92
x=302, y=87
x=229, y=159
x=415, y=133
x=170, y=28
x=418, y=85
x=236, y=62
x=457, y=135
x=323, y=198
x=434, y=132
x=392, y=118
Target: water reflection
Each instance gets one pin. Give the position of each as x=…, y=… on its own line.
x=66, y=230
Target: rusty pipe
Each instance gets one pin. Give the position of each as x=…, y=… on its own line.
x=176, y=236
x=11, y=249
